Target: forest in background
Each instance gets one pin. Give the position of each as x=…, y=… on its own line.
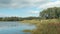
x=49, y=13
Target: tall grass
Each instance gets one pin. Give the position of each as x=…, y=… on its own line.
x=50, y=26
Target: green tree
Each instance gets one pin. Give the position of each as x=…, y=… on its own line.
x=51, y=13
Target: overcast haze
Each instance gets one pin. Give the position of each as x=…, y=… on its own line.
x=25, y=8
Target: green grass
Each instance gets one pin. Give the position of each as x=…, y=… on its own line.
x=50, y=26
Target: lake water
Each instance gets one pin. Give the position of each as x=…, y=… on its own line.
x=14, y=28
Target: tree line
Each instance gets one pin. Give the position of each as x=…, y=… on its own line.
x=50, y=13
x=17, y=18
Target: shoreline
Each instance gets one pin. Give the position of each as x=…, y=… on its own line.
x=43, y=25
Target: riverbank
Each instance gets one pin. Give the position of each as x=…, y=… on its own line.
x=38, y=22
x=50, y=26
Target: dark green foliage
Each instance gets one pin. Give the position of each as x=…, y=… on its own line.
x=30, y=18
x=9, y=18
x=51, y=12
x=17, y=18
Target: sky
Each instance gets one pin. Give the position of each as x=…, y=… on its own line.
x=25, y=8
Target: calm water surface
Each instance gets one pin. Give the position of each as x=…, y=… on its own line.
x=14, y=27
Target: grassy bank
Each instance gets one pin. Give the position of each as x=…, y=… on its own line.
x=50, y=26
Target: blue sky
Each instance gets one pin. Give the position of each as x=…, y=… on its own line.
x=25, y=8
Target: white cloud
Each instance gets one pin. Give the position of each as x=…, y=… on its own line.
x=2, y=15
x=29, y=3
x=33, y=12
x=5, y=15
x=50, y=4
x=21, y=3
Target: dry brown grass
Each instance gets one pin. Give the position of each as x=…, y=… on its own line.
x=50, y=26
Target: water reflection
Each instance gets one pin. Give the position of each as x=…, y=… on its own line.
x=14, y=27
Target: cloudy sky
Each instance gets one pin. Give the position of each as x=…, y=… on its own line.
x=25, y=8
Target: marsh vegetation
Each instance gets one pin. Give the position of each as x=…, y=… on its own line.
x=49, y=22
